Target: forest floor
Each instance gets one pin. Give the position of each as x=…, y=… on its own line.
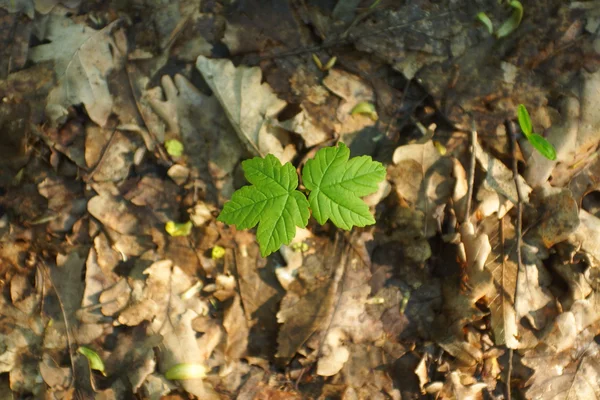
x=123, y=128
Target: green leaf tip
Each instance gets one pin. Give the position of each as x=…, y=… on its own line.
x=337, y=183
x=513, y=22
x=186, y=371
x=543, y=146
x=178, y=229
x=174, y=147
x=94, y=359
x=486, y=21
x=272, y=202
x=524, y=120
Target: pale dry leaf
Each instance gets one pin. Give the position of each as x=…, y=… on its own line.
x=110, y=153
x=249, y=105
x=424, y=178
x=353, y=90
x=304, y=125
x=117, y=214
x=500, y=179
x=557, y=213
x=572, y=374
x=83, y=59
x=501, y=263
x=533, y=298
x=199, y=122
x=587, y=235
x=334, y=354
x=465, y=392
x=65, y=201
x=236, y=326
x=575, y=135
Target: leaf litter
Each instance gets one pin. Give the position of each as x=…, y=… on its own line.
x=432, y=301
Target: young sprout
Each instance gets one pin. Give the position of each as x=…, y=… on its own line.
x=537, y=141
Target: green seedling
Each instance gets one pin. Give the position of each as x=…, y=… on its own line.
x=178, y=229
x=365, y=108
x=335, y=184
x=94, y=359
x=217, y=253
x=513, y=22
x=486, y=21
x=186, y=371
x=537, y=141
x=174, y=147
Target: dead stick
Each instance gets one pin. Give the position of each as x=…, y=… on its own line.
x=471, y=181
x=510, y=129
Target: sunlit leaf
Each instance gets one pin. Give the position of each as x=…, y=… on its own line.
x=186, y=371
x=524, y=120
x=272, y=202
x=94, y=359
x=513, y=22
x=217, y=252
x=174, y=147
x=365, y=108
x=542, y=145
x=337, y=184
x=178, y=229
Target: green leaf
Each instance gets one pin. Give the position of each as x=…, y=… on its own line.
x=174, y=147
x=93, y=358
x=186, y=371
x=513, y=22
x=178, y=229
x=218, y=252
x=336, y=185
x=524, y=120
x=272, y=202
x=485, y=20
x=542, y=145
x=365, y=108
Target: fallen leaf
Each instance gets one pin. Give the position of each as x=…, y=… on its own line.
x=83, y=59
x=249, y=105
x=424, y=178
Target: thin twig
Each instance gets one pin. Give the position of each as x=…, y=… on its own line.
x=510, y=129
x=471, y=180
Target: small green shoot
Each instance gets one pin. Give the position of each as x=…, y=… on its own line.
x=365, y=108
x=174, y=147
x=178, y=229
x=186, y=371
x=486, y=21
x=335, y=182
x=513, y=22
x=217, y=253
x=94, y=359
x=537, y=141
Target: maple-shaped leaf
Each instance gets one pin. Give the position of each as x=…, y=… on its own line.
x=337, y=184
x=272, y=201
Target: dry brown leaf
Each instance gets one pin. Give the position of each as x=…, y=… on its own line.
x=249, y=104
x=499, y=193
x=424, y=178
x=327, y=296
x=570, y=374
x=83, y=59
x=199, y=122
